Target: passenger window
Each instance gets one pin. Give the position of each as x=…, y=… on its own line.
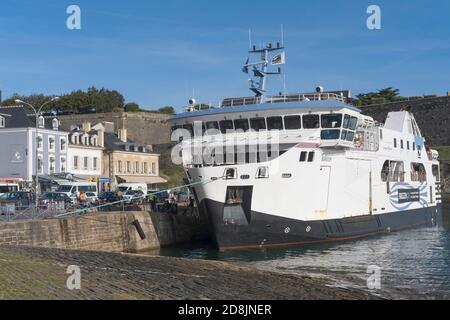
x=275, y=123
x=393, y=171
x=189, y=128
x=395, y=143
x=418, y=172
x=303, y=156
x=331, y=121
x=436, y=173
x=258, y=124
x=241, y=124
x=407, y=145
x=292, y=122
x=212, y=125
x=226, y=125
x=311, y=121
x=401, y=144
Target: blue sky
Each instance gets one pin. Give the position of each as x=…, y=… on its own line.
x=158, y=52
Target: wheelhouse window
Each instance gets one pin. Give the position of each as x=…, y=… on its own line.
x=241, y=124
x=311, y=156
x=311, y=121
x=353, y=122
x=393, y=171
x=258, y=124
x=292, y=122
x=226, y=125
x=275, y=123
x=331, y=121
x=418, y=172
x=330, y=134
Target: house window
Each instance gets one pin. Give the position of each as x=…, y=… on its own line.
x=128, y=167
x=63, y=164
x=153, y=168
x=40, y=165
x=63, y=144
x=136, y=167
x=52, y=165
x=94, y=163
x=145, y=167
x=75, y=162
x=51, y=144
x=41, y=122
x=40, y=144
x=2, y=122
x=86, y=163
x=55, y=124
x=119, y=165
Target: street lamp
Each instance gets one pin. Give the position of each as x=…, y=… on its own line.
x=37, y=113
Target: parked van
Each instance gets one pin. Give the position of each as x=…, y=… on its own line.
x=124, y=187
x=6, y=187
x=73, y=189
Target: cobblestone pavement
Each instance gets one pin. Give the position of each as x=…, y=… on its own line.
x=38, y=273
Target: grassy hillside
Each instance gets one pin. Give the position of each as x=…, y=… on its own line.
x=444, y=152
x=174, y=175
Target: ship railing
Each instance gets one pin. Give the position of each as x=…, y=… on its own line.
x=232, y=102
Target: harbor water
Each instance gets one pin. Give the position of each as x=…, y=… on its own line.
x=417, y=259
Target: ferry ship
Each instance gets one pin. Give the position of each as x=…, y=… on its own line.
x=293, y=169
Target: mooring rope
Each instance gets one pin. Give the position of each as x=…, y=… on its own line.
x=85, y=210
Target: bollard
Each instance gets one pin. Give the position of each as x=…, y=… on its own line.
x=139, y=229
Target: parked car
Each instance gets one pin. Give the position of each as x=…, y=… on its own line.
x=133, y=195
x=55, y=197
x=109, y=197
x=21, y=199
x=92, y=197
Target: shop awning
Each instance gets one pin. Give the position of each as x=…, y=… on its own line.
x=141, y=179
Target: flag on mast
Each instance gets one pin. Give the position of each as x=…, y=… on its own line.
x=279, y=59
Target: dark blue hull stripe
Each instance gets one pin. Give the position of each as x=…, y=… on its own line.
x=264, y=230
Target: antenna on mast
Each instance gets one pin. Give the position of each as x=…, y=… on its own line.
x=260, y=68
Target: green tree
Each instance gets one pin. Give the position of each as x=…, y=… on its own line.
x=132, y=107
x=381, y=96
x=167, y=110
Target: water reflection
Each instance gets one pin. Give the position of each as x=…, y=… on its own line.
x=416, y=258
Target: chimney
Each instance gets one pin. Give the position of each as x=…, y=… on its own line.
x=86, y=126
x=101, y=137
x=123, y=135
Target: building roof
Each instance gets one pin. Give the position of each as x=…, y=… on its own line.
x=113, y=143
x=21, y=117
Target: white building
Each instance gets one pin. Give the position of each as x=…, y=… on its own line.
x=18, y=145
x=85, y=151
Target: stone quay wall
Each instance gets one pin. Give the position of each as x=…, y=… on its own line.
x=110, y=232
